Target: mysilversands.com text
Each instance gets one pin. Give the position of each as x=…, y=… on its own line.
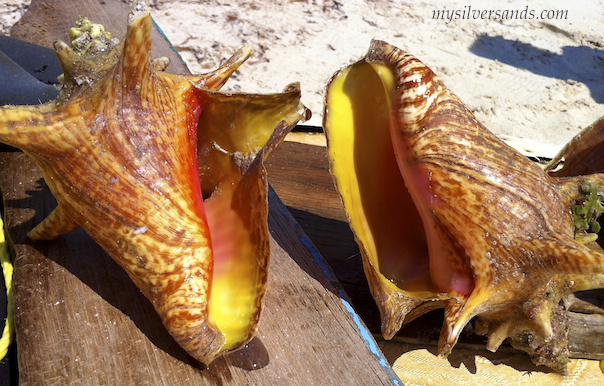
x=467, y=13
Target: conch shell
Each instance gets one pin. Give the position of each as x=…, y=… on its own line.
x=448, y=216
x=166, y=174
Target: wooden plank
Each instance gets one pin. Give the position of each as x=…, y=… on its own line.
x=80, y=320
x=300, y=175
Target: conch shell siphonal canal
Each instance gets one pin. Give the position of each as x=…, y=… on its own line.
x=165, y=173
x=448, y=216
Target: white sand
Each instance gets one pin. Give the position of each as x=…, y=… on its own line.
x=541, y=80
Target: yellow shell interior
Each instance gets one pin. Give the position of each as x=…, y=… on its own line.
x=371, y=186
x=236, y=132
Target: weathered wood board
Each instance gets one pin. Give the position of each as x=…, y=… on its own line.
x=300, y=175
x=80, y=320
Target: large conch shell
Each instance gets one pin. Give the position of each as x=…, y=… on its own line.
x=166, y=174
x=448, y=216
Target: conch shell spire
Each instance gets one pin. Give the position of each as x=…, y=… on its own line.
x=129, y=153
x=497, y=235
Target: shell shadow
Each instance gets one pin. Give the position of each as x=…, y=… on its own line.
x=582, y=64
x=467, y=357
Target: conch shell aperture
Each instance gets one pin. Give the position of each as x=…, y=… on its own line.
x=447, y=215
x=166, y=174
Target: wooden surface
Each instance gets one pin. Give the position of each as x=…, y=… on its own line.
x=81, y=321
x=300, y=175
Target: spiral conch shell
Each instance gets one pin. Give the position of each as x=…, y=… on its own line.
x=447, y=215
x=166, y=174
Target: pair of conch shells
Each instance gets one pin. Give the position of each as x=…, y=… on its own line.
x=165, y=173
x=447, y=215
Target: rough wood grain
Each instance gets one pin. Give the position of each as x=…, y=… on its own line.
x=301, y=172
x=300, y=175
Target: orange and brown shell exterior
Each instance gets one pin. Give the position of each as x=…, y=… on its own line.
x=131, y=153
x=447, y=215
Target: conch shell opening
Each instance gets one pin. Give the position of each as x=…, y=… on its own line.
x=447, y=215
x=233, y=177
x=130, y=153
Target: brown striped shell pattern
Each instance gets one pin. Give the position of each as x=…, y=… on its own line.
x=447, y=215
x=166, y=174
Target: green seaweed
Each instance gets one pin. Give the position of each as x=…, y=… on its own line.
x=586, y=210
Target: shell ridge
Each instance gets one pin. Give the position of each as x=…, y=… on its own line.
x=453, y=323
x=57, y=223
x=214, y=80
x=23, y=126
x=476, y=188
x=568, y=256
x=136, y=62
